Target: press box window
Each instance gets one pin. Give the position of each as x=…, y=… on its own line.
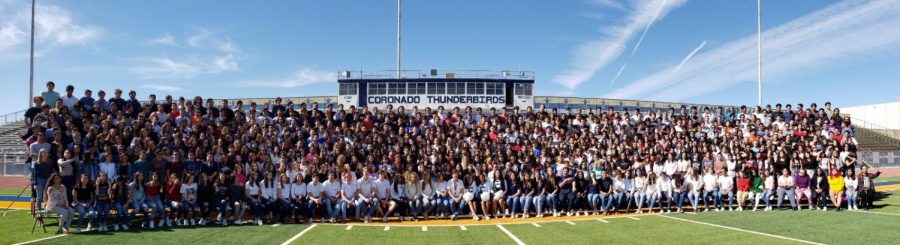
x=456, y=88
x=347, y=89
x=475, y=88
x=494, y=88
x=377, y=89
x=523, y=89
x=436, y=88
x=396, y=88
x=416, y=88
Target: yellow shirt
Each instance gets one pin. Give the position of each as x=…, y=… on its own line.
x=836, y=183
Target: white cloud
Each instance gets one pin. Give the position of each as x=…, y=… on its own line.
x=689, y=56
x=206, y=52
x=161, y=87
x=592, y=56
x=303, y=77
x=831, y=36
x=166, y=40
x=614, y=4
x=54, y=27
x=618, y=73
x=647, y=28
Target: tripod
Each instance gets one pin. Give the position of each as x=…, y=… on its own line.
x=7, y=210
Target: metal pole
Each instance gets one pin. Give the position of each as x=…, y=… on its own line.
x=759, y=51
x=31, y=66
x=398, y=39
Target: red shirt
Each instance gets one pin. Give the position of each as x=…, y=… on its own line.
x=173, y=192
x=743, y=184
x=152, y=190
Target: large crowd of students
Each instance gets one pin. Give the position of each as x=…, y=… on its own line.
x=192, y=162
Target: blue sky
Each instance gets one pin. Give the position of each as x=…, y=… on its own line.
x=700, y=51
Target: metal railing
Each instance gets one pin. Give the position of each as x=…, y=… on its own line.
x=893, y=134
x=876, y=158
x=447, y=74
x=12, y=117
x=13, y=164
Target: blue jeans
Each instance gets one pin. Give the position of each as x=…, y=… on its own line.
x=665, y=194
x=330, y=207
x=526, y=202
x=121, y=213
x=651, y=200
x=82, y=209
x=851, y=198
x=592, y=199
x=765, y=197
x=415, y=205
x=538, y=203
x=257, y=208
x=40, y=188
x=458, y=207
x=730, y=198
x=694, y=199
x=678, y=197
x=428, y=205
x=790, y=195
x=443, y=204
x=512, y=202
x=102, y=208
x=156, y=206
x=189, y=206
x=607, y=201
x=140, y=207
x=551, y=200
x=342, y=208
x=368, y=208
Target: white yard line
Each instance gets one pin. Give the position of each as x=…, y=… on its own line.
x=349, y=227
x=276, y=225
x=536, y=224
x=462, y=227
x=387, y=228
x=516, y=239
x=42, y=239
x=603, y=220
x=570, y=222
x=634, y=218
x=872, y=212
x=739, y=229
x=424, y=228
x=289, y=241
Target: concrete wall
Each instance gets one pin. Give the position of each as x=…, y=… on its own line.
x=885, y=115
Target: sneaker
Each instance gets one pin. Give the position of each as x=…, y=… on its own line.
x=193, y=223
x=124, y=227
x=525, y=216
x=224, y=222
x=78, y=230
x=151, y=225
x=384, y=219
x=825, y=208
x=333, y=220
x=259, y=221
x=161, y=223
x=169, y=222
x=487, y=217
x=740, y=209
x=202, y=221
x=452, y=217
x=239, y=222
x=116, y=227
x=475, y=217
x=88, y=227
x=730, y=209
x=706, y=210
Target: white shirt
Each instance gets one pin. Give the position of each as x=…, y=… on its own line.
x=382, y=188
x=455, y=187
x=267, y=192
x=285, y=190
x=665, y=184
x=725, y=183
x=110, y=170
x=349, y=190
x=252, y=188
x=332, y=188
x=709, y=182
x=298, y=190
x=315, y=189
x=189, y=191
x=694, y=183
x=365, y=187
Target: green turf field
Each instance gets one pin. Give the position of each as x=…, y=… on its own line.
x=13, y=192
x=878, y=226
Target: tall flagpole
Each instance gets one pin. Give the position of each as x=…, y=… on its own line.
x=31, y=66
x=759, y=51
x=398, y=39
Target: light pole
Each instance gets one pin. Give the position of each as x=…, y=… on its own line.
x=398, y=39
x=759, y=51
x=31, y=66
